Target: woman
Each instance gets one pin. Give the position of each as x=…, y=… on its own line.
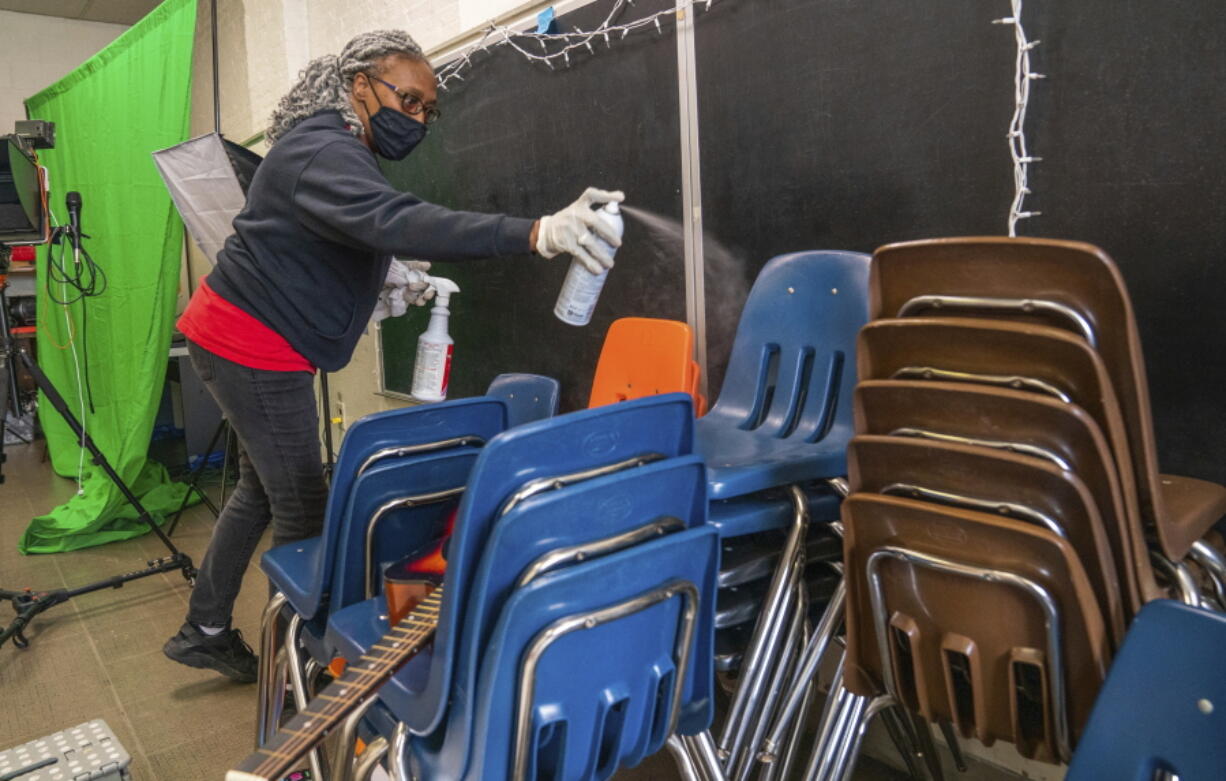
x=296, y=284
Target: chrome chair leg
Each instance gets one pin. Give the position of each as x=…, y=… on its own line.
x=397, y=766
x=767, y=632
x=344, y=768
x=280, y=685
x=681, y=755
x=831, y=711
x=1214, y=565
x=927, y=746
x=316, y=758
x=899, y=727
x=851, y=752
x=806, y=671
x=375, y=751
x=706, y=756
x=312, y=672
x=955, y=749
x=266, y=725
x=785, y=668
x=1179, y=577
x=753, y=690
x=854, y=722
x=791, y=750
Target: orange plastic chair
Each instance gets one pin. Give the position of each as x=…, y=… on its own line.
x=645, y=356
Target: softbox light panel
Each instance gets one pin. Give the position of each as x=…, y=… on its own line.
x=208, y=179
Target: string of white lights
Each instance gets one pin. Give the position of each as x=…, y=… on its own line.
x=556, y=48
x=1022, y=158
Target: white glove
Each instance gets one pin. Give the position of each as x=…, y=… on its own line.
x=406, y=284
x=575, y=228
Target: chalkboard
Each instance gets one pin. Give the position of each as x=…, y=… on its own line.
x=848, y=125
x=521, y=139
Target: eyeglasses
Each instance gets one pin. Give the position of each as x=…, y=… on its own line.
x=411, y=103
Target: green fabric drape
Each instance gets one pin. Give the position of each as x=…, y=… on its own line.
x=111, y=113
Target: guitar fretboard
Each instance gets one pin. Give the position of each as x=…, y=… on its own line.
x=329, y=707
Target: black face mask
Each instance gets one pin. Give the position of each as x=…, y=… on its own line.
x=395, y=134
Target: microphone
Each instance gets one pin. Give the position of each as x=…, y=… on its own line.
x=73, y=202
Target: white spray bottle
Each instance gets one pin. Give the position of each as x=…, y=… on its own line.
x=432, y=370
x=582, y=288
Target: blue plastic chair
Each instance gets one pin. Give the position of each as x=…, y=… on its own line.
x=783, y=415
x=602, y=697
x=301, y=572
x=528, y=397
x=783, y=419
x=1163, y=707
x=395, y=508
x=658, y=426
x=640, y=502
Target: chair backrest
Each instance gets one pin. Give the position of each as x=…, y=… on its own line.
x=593, y=697
x=375, y=436
x=794, y=355
x=1020, y=487
x=1161, y=708
x=528, y=397
x=395, y=508
x=981, y=621
x=559, y=528
x=1056, y=355
x=651, y=427
x=1022, y=422
x=1082, y=282
x=643, y=356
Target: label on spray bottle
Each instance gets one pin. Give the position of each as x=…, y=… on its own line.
x=579, y=294
x=581, y=289
x=432, y=370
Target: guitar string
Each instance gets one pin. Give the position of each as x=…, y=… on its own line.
x=418, y=630
x=301, y=741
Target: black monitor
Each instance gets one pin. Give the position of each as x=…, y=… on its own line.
x=22, y=213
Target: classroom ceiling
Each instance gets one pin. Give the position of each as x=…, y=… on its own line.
x=113, y=11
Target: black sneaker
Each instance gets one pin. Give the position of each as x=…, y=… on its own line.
x=226, y=652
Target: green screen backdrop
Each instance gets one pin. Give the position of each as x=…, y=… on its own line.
x=111, y=113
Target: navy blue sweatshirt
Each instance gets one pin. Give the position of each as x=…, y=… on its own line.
x=311, y=247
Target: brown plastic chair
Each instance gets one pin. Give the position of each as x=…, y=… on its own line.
x=1020, y=421
x=1077, y=287
x=1019, y=487
x=645, y=356
x=986, y=622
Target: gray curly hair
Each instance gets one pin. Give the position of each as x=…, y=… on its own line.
x=327, y=81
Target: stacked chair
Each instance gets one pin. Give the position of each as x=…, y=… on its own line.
x=575, y=631
x=1007, y=521
x=644, y=356
x=399, y=474
x=528, y=397
x=775, y=447
x=604, y=563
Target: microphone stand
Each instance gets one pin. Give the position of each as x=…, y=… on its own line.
x=26, y=602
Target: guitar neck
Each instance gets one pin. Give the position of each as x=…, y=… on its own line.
x=359, y=681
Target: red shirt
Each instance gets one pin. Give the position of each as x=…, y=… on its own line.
x=223, y=329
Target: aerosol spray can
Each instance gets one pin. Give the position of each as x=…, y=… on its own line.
x=582, y=288
x=432, y=370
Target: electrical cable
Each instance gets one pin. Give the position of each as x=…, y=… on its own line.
x=72, y=345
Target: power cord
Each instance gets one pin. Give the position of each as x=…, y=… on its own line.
x=79, y=272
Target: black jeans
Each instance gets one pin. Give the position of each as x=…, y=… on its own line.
x=280, y=478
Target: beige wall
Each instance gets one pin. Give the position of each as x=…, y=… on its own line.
x=262, y=46
x=36, y=51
